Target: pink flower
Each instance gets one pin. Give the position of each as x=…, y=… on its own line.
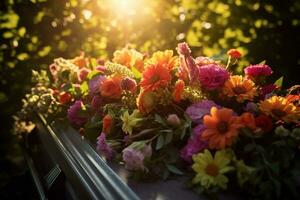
x=134, y=158
x=75, y=115
x=188, y=68
x=103, y=148
x=94, y=84
x=198, y=110
x=195, y=144
x=212, y=76
x=173, y=120
x=82, y=73
x=254, y=71
x=101, y=68
x=54, y=70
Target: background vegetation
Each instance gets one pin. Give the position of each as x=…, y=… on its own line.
x=34, y=32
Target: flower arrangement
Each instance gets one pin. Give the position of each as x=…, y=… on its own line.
x=165, y=115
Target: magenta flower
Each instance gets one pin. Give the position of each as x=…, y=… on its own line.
x=94, y=84
x=82, y=74
x=134, y=158
x=96, y=103
x=74, y=113
x=198, y=110
x=195, y=144
x=103, y=148
x=253, y=71
x=267, y=89
x=212, y=76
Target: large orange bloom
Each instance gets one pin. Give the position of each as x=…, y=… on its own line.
x=155, y=76
x=221, y=128
x=280, y=108
x=129, y=58
x=164, y=58
x=111, y=87
x=242, y=89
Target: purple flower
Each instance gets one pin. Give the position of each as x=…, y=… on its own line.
x=195, y=144
x=134, y=158
x=253, y=71
x=103, y=148
x=74, y=113
x=94, y=84
x=198, y=110
x=251, y=107
x=96, y=103
x=212, y=76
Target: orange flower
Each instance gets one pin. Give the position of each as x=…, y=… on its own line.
x=164, y=58
x=107, y=121
x=242, y=89
x=221, y=128
x=129, y=58
x=280, y=108
x=111, y=87
x=146, y=101
x=65, y=97
x=155, y=76
x=234, y=53
x=80, y=60
x=248, y=120
x=178, y=90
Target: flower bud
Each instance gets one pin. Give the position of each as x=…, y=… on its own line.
x=128, y=84
x=173, y=120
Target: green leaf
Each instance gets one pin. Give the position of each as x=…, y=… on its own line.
x=136, y=73
x=84, y=87
x=168, y=138
x=281, y=131
x=160, y=142
x=92, y=74
x=22, y=56
x=44, y=51
x=262, y=62
x=249, y=147
x=159, y=119
x=22, y=31
x=279, y=82
x=174, y=169
x=8, y=35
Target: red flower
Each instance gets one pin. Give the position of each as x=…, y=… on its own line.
x=155, y=76
x=234, y=53
x=107, y=121
x=264, y=122
x=64, y=97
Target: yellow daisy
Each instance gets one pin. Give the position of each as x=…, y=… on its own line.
x=280, y=108
x=239, y=87
x=210, y=170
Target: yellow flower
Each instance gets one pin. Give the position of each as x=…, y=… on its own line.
x=280, y=108
x=210, y=170
x=164, y=58
x=129, y=58
x=130, y=121
x=242, y=89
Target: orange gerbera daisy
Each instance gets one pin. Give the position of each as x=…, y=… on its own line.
x=222, y=128
x=155, y=76
x=242, y=89
x=280, y=108
x=164, y=58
